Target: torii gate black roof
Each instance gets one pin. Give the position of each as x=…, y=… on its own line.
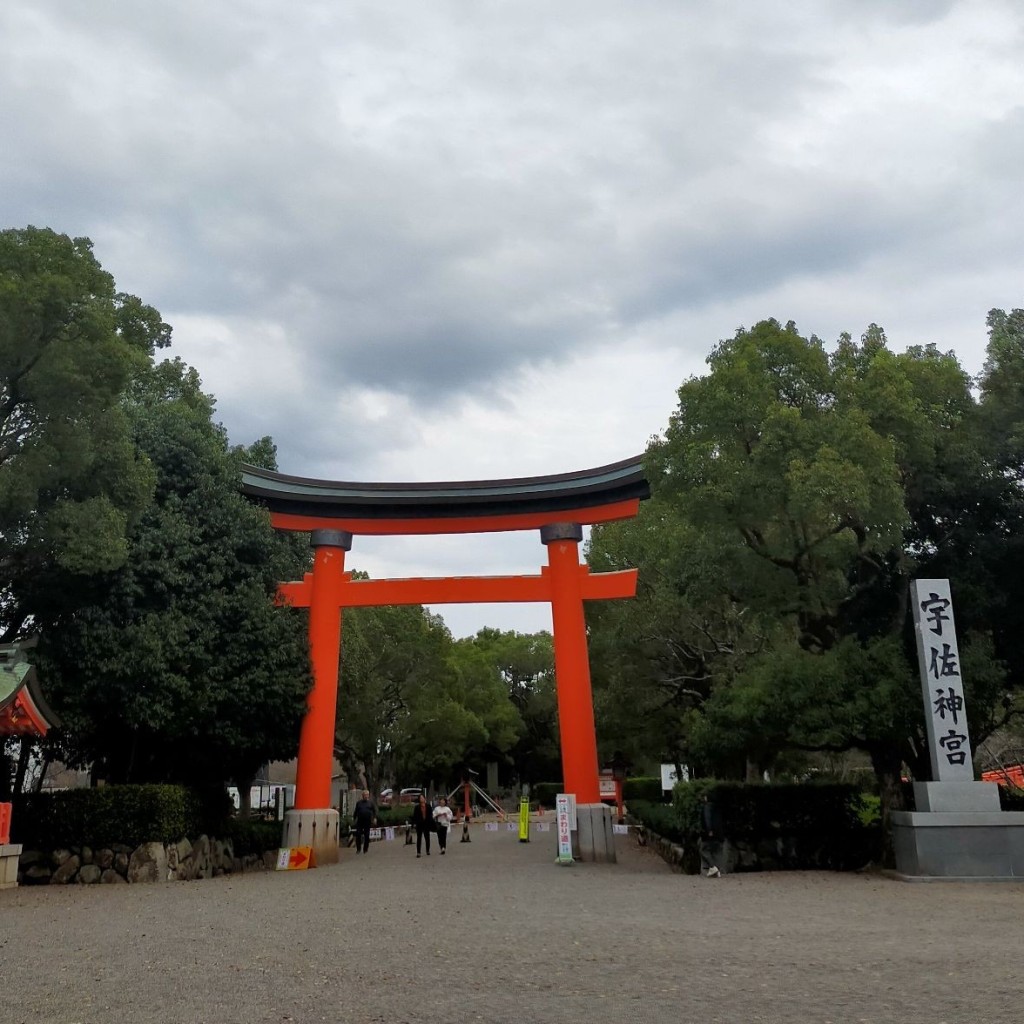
x=587, y=488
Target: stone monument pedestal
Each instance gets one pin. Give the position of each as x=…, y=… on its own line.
x=319, y=829
x=958, y=833
x=594, y=838
x=9, y=854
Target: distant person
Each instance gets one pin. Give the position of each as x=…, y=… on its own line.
x=443, y=815
x=711, y=838
x=423, y=822
x=363, y=817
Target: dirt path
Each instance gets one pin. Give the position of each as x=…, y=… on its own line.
x=495, y=931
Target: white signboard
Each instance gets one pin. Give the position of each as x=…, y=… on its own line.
x=490, y=826
x=620, y=830
x=669, y=776
x=564, y=806
x=941, y=683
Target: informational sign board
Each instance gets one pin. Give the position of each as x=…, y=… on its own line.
x=669, y=776
x=565, y=806
x=294, y=858
x=524, y=820
x=942, y=686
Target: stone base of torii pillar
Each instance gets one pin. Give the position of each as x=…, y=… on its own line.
x=319, y=829
x=958, y=833
x=594, y=838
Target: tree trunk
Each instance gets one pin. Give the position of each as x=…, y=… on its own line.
x=888, y=765
x=6, y=771
x=245, y=797
x=24, y=756
x=38, y=787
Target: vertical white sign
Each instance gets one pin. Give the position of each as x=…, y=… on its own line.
x=941, y=683
x=563, y=808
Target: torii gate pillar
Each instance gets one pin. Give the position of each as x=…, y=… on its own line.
x=313, y=822
x=594, y=833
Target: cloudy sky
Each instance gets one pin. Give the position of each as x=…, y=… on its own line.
x=463, y=240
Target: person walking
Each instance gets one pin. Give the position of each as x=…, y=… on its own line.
x=711, y=839
x=443, y=815
x=423, y=822
x=363, y=816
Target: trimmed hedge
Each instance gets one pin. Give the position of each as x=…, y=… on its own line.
x=116, y=814
x=253, y=835
x=658, y=817
x=644, y=787
x=399, y=815
x=544, y=793
x=794, y=826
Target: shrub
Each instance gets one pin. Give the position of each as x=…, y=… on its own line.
x=544, y=793
x=252, y=835
x=113, y=814
x=1011, y=798
x=643, y=788
x=400, y=815
x=658, y=817
x=793, y=825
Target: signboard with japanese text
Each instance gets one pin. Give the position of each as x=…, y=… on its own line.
x=294, y=858
x=563, y=807
x=941, y=683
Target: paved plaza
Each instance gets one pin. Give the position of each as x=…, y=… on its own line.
x=495, y=931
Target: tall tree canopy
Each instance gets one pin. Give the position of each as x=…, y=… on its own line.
x=796, y=494
x=177, y=666
x=71, y=479
x=414, y=705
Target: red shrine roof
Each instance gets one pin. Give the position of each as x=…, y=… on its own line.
x=23, y=711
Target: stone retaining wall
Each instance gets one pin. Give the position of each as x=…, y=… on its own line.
x=150, y=862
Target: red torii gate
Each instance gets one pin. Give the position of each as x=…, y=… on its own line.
x=332, y=512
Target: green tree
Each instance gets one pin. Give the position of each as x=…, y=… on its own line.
x=816, y=486
x=71, y=480
x=411, y=705
x=523, y=665
x=179, y=666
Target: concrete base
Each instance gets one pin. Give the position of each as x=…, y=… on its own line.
x=9, y=854
x=594, y=838
x=320, y=829
x=987, y=845
x=957, y=797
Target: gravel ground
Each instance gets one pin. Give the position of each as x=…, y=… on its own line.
x=495, y=931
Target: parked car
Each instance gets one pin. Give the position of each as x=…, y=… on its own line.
x=405, y=796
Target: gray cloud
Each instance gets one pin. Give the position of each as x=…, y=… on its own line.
x=365, y=220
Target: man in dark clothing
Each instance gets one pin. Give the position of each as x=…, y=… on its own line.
x=362, y=817
x=711, y=838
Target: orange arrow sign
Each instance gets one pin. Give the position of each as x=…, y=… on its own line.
x=299, y=858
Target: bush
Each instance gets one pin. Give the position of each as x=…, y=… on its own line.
x=644, y=788
x=544, y=793
x=252, y=835
x=658, y=817
x=114, y=814
x=796, y=825
x=400, y=815
x=1011, y=798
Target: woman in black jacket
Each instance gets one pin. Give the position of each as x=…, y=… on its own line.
x=423, y=822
